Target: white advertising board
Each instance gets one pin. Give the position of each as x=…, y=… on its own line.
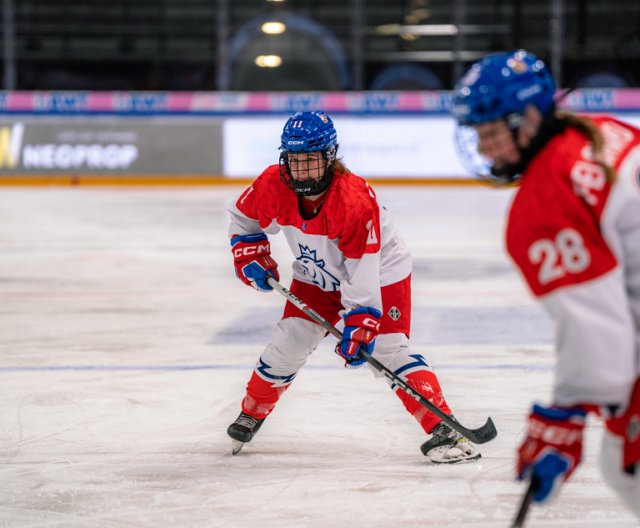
x=395, y=147
x=378, y=147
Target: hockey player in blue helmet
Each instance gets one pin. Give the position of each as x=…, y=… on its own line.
x=349, y=259
x=516, y=91
x=573, y=231
x=309, y=138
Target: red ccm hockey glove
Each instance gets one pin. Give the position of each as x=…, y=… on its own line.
x=361, y=327
x=252, y=260
x=552, y=449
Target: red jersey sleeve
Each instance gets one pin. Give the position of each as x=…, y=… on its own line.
x=259, y=201
x=246, y=202
x=359, y=221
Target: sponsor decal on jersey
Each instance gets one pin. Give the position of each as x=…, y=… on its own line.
x=312, y=267
x=394, y=313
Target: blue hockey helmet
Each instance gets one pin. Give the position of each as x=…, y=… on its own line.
x=308, y=132
x=502, y=84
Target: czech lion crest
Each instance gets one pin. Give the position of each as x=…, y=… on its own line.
x=312, y=268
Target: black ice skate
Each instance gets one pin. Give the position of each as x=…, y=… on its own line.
x=447, y=446
x=242, y=431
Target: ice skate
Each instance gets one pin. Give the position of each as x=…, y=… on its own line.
x=242, y=431
x=447, y=446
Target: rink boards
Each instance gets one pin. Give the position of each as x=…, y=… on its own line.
x=129, y=138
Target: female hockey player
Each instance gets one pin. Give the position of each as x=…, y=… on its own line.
x=348, y=259
x=574, y=233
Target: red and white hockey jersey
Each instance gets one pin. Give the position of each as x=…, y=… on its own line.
x=576, y=239
x=350, y=246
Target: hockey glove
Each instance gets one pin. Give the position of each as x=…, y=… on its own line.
x=628, y=426
x=361, y=327
x=252, y=260
x=552, y=449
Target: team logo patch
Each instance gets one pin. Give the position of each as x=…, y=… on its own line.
x=394, y=313
x=313, y=268
x=517, y=65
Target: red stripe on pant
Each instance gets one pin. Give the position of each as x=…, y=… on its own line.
x=261, y=397
x=426, y=383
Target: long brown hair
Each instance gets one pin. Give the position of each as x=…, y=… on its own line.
x=587, y=127
x=339, y=166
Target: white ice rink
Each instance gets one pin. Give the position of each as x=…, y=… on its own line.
x=126, y=343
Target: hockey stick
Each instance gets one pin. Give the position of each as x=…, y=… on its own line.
x=526, y=501
x=478, y=436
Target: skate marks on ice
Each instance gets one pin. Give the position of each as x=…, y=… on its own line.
x=150, y=449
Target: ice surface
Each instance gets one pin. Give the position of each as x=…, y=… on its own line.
x=126, y=343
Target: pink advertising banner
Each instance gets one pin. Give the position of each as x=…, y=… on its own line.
x=239, y=103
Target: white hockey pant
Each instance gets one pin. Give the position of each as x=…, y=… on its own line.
x=295, y=339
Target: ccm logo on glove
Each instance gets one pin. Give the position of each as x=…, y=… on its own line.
x=372, y=324
x=247, y=251
x=252, y=260
x=554, y=435
x=361, y=327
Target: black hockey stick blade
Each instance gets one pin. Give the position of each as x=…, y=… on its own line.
x=526, y=501
x=481, y=435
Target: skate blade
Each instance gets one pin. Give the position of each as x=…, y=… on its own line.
x=455, y=460
x=453, y=455
x=236, y=446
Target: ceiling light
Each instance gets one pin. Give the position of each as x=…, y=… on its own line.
x=268, y=61
x=273, y=28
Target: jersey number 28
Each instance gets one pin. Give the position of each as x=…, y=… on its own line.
x=565, y=254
